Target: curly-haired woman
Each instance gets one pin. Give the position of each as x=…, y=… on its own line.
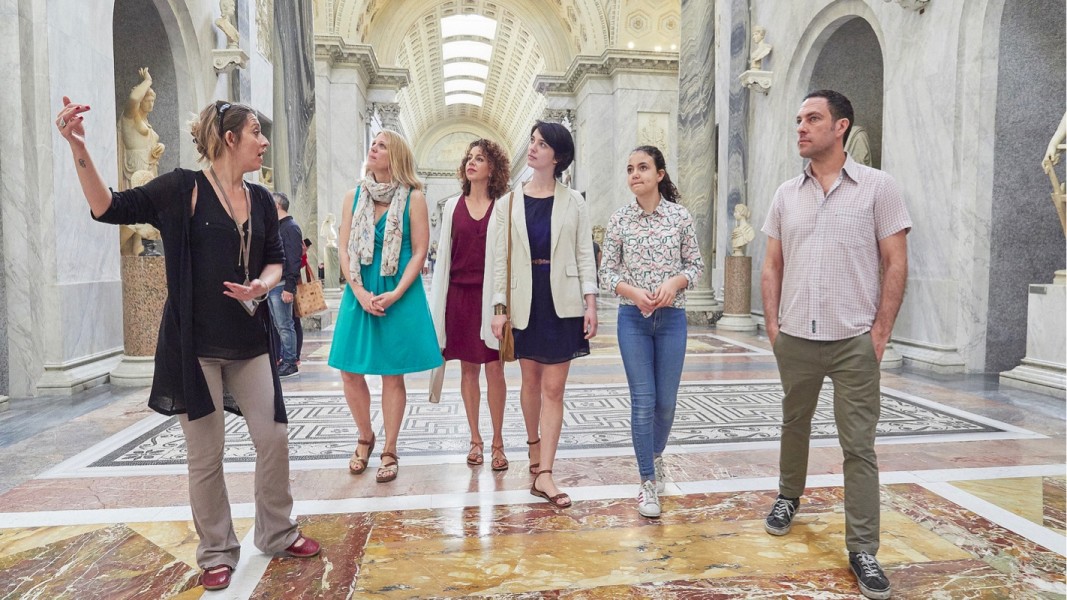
x=461, y=291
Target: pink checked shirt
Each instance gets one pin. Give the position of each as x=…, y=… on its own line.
x=646, y=249
x=830, y=281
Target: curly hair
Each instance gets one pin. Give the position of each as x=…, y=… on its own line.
x=499, y=167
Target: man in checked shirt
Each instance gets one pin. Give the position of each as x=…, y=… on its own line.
x=832, y=283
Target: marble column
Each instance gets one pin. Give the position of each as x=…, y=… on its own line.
x=696, y=145
x=389, y=115
x=1044, y=369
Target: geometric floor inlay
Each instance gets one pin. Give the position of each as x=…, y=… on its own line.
x=596, y=417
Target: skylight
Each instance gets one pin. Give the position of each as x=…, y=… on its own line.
x=466, y=49
x=463, y=98
x=464, y=85
x=473, y=25
x=466, y=69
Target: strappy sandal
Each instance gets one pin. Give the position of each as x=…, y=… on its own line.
x=533, y=465
x=474, y=457
x=553, y=500
x=388, y=472
x=357, y=464
x=499, y=463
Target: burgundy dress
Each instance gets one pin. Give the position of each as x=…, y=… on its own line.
x=463, y=304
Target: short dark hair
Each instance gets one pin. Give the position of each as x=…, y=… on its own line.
x=561, y=142
x=840, y=107
x=282, y=200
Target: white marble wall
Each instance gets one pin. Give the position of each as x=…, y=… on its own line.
x=341, y=105
x=606, y=130
x=940, y=94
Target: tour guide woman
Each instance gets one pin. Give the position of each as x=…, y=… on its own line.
x=220, y=235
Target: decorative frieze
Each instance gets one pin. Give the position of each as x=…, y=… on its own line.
x=606, y=65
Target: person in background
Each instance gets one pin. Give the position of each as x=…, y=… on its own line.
x=224, y=254
x=280, y=298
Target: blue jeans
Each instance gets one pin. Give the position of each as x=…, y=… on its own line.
x=653, y=350
x=282, y=314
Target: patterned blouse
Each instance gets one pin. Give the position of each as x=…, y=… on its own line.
x=646, y=249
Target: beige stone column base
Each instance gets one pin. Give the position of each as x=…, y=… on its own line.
x=891, y=359
x=5, y=403
x=134, y=371
x=701, y=308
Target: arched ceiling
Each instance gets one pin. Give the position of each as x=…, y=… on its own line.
x=532, y=37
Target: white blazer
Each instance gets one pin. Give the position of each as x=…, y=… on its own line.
x=572, y=270
x=441, y=272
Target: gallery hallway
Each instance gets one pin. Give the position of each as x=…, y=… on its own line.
x=93, y=497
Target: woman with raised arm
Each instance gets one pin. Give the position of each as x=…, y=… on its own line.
x=650, y=258
x=223, y=255
x=462, y=289
x=384, y=325
x=553, y=292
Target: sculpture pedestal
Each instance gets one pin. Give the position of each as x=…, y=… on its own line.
x=144, y=291
x=331, y=270
x=701, y=308
x=737, y=304
x=1044, y=369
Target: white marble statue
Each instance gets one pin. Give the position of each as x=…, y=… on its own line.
x=858, y=146
x=760, y=49
x=225, y=23
x=1055, y=148
x=139, y=152
x=330, y=260
x=743, y=233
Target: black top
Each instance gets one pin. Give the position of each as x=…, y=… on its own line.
x=221, y=326
x=178, y=385
x=293, y=244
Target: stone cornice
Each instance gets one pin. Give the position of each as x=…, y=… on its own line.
x=337, y=52
x=607, y=64
x=436, y=173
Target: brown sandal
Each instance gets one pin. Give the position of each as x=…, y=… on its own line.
x=388, y=472
x=499, y=463
x=533, y=465
x=357, y=464
x=474, y=457
x=553, y=500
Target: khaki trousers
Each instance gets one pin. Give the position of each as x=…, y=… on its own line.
x=252, y=386
x=851, y=366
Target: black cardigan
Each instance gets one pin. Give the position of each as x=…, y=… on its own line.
x=178, y=385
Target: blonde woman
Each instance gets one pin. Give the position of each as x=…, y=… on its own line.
x=383, y=326
x=214, y=333
x=462, y=285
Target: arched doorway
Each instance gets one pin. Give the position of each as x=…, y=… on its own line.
x=851, y=63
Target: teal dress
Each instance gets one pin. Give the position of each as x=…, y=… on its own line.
x=403, y=341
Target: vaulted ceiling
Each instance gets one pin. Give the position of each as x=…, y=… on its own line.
x=516, y=40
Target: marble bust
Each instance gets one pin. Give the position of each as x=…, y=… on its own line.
x=225, y=23
x=743, y=233
x=858, y=146
x=760, y=48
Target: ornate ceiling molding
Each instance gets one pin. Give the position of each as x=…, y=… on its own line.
x=606, y=65
x=338, y=53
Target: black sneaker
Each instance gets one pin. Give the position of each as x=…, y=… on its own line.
x=870, y=576
x=287, y=370
x=780, y=519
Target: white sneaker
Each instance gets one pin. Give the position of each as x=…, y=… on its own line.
x=648, y=500
x=661, y=474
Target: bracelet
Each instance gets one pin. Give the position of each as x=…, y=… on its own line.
x=500, y=309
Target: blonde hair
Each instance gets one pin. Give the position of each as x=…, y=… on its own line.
x=401, y=159
x=209, y=130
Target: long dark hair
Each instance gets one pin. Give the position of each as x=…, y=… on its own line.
x=667, y=188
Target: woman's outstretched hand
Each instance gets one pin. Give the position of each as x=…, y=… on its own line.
x=71, y=122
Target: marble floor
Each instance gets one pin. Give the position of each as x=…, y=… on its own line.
x=93, y=497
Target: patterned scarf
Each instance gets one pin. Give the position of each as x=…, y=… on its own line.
x=361, y=238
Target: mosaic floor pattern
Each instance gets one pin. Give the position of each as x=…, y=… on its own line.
x=597, y=417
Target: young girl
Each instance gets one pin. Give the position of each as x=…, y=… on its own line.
x=650, y=258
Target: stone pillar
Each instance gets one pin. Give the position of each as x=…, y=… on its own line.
x=1044, y=369
x=144, y=291
x=696, y=145
x=389, y=116
x=737, y=308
